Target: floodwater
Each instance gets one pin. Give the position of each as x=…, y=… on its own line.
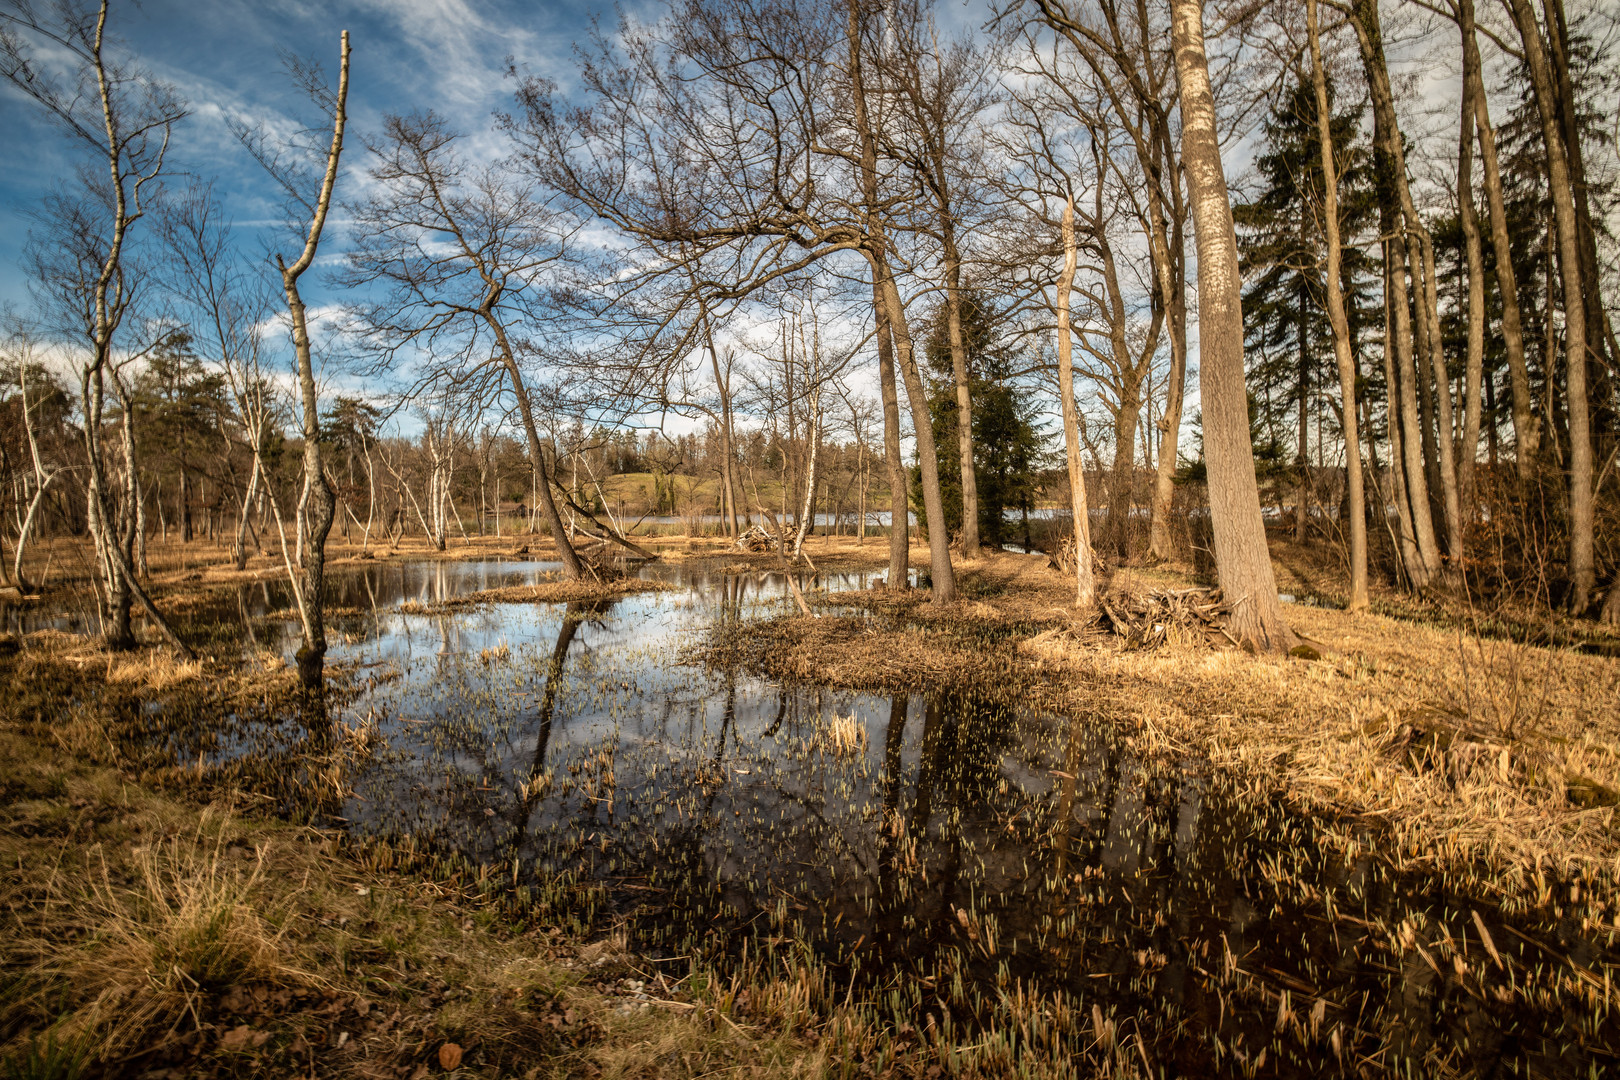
x=953, y=863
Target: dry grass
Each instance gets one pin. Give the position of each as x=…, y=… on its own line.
x=845, y=734
x=1470, y=749
x=178, y=932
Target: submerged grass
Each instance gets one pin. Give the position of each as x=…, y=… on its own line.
x=179, y=931
x=169, y=919
x=1474, y=750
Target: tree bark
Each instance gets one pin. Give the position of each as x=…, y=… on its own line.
x=1085, y=585
x=573, y=569
x=887, y=296
x=939, y=541
x=1474, y=368
x=1446, y=441
x=1242, y=559
x=1398, y=217
x=964, y=396
x=1342, y=354
x=1582, y=565
x=728, y=473
x=317, y=503
x=1526, y=430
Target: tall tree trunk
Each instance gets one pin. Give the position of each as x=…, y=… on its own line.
x=899, y=512
x=1172, y=289
x=1242, y=560
x=1446, y=444
x=1337, y=318
x=1599, y=331
x=1526, y=429
x=939, y=541
x=888, y=297
x=573, y=569
x=239, y=547
x=1582, y=565
x=1406, y=550
x=1085, y=585
x=728, y=472
x=964, y=396
x=1302, y=450
x=316, y=506
x=1394, y=198
x=1474, y=369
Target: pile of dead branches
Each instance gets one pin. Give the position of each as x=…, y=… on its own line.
x=1148, y=620
x=756, y=540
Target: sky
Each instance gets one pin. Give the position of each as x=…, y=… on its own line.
x=225, y=59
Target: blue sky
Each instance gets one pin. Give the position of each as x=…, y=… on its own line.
x=224, y=58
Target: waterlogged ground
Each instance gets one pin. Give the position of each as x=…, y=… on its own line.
x=970, y=868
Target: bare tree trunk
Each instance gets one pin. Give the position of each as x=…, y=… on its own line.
x=1395, y=199
x=1474, y=370
x=1582, y=565
x=239, y=548
x=1159, y=542
x=42, y=479
x=1085, y=584
x=813, y=439
x=939, y=541
x=888, y=339
x=1446, y=442
x=1303, y=449
x=573, y=569
x=728, y=472
x=964, y=397
x=1526, y=430
x=1242, y=559
x=1406, y=550
x=317, y=504
x=1340, y=322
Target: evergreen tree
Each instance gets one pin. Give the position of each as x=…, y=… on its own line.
x=1008, y=442
x=1288, y=337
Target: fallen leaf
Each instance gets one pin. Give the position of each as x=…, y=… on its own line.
x=236, y=1038
x=449, y=1057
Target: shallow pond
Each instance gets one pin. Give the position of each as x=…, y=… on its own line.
x=951, y=863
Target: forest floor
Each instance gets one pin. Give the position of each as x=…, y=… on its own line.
x=161, y=921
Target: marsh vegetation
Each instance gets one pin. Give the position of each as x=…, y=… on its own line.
x=726, y=561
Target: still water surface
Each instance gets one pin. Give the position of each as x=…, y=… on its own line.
x=944, y=856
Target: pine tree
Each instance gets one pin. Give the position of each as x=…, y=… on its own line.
x=1008, y=443
x=1288, y=338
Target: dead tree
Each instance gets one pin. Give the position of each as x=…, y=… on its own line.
x=317, y=504
x=81, y=258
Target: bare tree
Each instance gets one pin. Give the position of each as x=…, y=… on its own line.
x=317, y=504
x=1345, y=359
x=462, y=254
x=1242, y=559
x=1128, y=57
x=1582, y=565
x=1400, y=225
x=1084, y=576
x=124, y=117
x=944, y=97
x=20, y=355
